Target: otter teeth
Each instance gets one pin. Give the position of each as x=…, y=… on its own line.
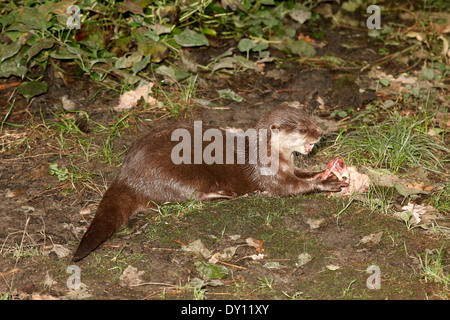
x=309, y=147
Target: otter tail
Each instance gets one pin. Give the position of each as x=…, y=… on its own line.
x=119, y=203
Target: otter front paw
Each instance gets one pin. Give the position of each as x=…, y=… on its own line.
x=332, y=184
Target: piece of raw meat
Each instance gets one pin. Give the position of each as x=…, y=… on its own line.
x=358, y=182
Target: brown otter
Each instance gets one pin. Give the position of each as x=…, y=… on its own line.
x=158, y=169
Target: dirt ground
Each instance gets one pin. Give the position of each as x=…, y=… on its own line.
x=307, y=247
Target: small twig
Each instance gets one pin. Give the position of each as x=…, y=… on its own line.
x=231, y=265
x=9, y=85
x=8, y=273
x=154, y=283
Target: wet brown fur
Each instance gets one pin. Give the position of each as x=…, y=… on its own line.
x=149, y=176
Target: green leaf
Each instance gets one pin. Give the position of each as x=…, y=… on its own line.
x=385, y=82
x=245, y=45
x=60, y=7
x=388, y=103
x=210, y=270
x=6, y=20
x=12, y=67
x=130, y=6
x=11, y=49
x=172, y=72
x=230, y=94
x=160, y=29
x=30, y=89
x=128, y=61
x=428, y=73
x=302, y=48
x=351, y=5
x=158, y=52
x=151, y=35
x=75, y=50
x=406, y=216
x=35, y=18
x=40, y=45
x=245, y=63
x=190, y=38
x=406, y=192
x=62, y=53
x=141, y=64
x=62, y=173
x=374, y=33
x=338, y=113
x=266, y=18
x=260, y=47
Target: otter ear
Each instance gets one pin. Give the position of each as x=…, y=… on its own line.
x=274, y=128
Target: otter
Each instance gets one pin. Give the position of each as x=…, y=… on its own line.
x=160, y=169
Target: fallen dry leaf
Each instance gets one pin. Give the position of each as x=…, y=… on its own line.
x=38, y=296
x=130, y=98
x=257, y=244
x=416, y=210
x=59, y=249
x=224, y=255
x=214, y=258
x=333, y=267
x=198, y=248
x=314, y=223
x=259, y=256
x=130, y=277
x=68, y=104
x=373, y=238
x=77, y=294
x=303, y=258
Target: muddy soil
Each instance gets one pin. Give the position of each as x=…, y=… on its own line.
x=310, y=247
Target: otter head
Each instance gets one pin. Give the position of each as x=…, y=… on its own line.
x=295, y=130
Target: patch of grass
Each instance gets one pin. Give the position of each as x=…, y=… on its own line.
x=398, y=143
x=441, y=200
x=177, y=209
x=266, y=284
x=178, y=101
x=435, y=268
x=380, y=198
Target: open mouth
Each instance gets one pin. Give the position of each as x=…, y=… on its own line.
x=309, y=147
